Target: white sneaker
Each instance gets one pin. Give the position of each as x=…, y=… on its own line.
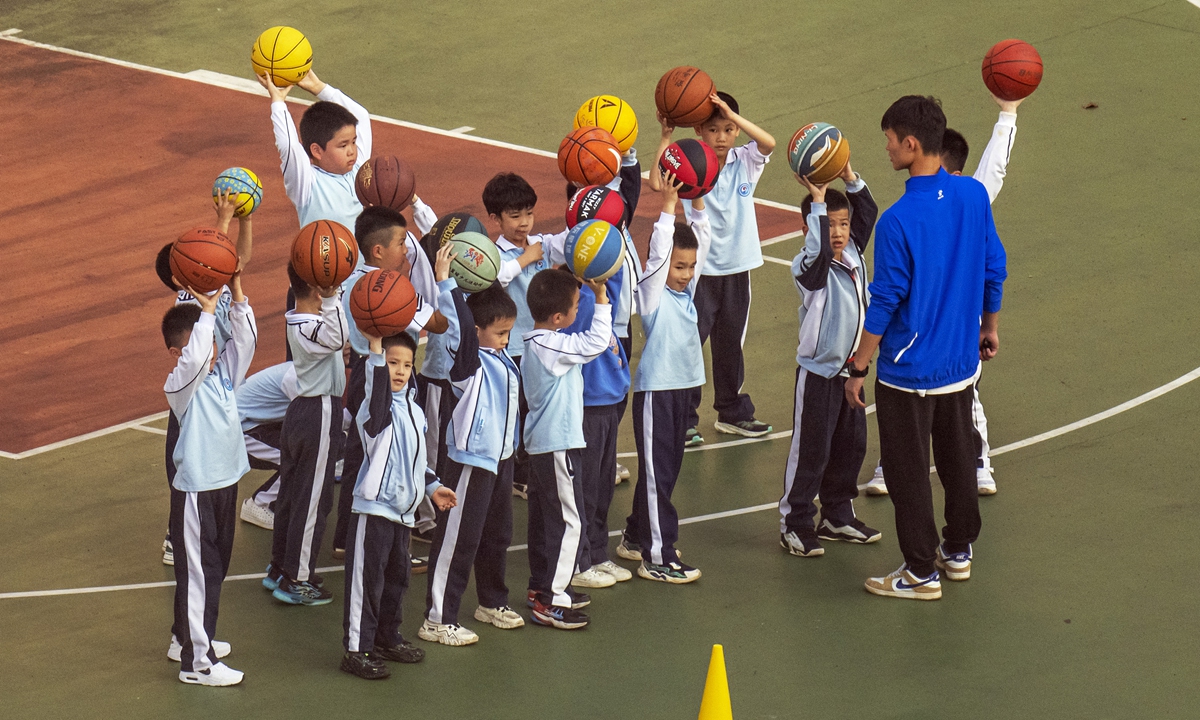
x=259, y=515
x=622, y=473
x=986, y=483
x=876, y=485
x=175, y=650
x=452, y=635
x=504, y=618
x=611, y=568
x=902, y=583
x=168, y=553
x=956, y=566
x=219, y=675
x=593, y=578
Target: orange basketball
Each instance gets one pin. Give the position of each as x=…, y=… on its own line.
x=682, y=96
x=383, y=303
x=1012, y=69
x=589, y=156
x=324, y=253
x=204, y=259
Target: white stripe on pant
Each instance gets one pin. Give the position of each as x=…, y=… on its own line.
x=785, y=507
x=656, y=541
x=196, y=590
x=354, y=641
x=441, y=572
x=318, y=485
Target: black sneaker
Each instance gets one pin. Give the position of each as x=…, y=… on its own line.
x=521, y=491
x=365, y=665
x=418, y=565
x=302, y=593
x=853, y=532
x=423, y=536
x=405, y=652
x=675, y=573
x=801, y=544
x=318, y=580
x=579, y=599
x=563, y=618
x=746, y=428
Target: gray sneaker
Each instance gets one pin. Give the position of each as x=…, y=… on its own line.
x=746, y=428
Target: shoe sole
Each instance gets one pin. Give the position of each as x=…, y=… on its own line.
x=169, y=561
x=904, y=595
x=956, y=575
x=198, y=679
x=443, y=639
x=497, y=622
x=987, y=491
x=626, y=554
x=792, y=551
x=339, y=554
x=258, y=522
x=382, y=676
x=293, y=600
x=876, y=491
x=851, y=539
x=658, y=577
x=552, y=622
x=595, y=584
x=520, y=493
x=420, y=570
x=727, y=429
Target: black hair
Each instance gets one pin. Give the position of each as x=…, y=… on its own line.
x=162, y=267
x=685, y=237
x=321, y=121
x=733, y=105
x=920, y=117
x=300, y=287
x=508, y=191
x=954, y=151
x=400, y=339
x=834, y=200
x=572, y=189
x=372, y=226
x=551, y=291
x=490, y=305
x=177, y=322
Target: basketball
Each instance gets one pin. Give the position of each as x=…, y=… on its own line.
x=243, y=182
x=476, y=261
x=204, y=259
x=283, y=53
x=446, y=228
x=693, y=163
x=385, y=180
x=612, y=114
x=1012, y=69
x=324, y=253
x=595, y=250
x=682, y=96
x=589, y=156
x=596, y=202
x=820, y=151
x=383, y=303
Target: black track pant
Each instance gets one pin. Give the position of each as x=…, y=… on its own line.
x=555, y=523
x=659, y=430
x=202, y=525
x=311, y=443
x=597, y=472
x=352, y=454
x=722, y=311
x=376, y=578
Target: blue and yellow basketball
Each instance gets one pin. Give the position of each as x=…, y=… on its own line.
x=476, y=261
x=820, y=151
x=243, y=182
x=594, y=250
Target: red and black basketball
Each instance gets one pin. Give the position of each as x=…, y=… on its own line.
x=203, y=258
x=683, y=96
x=385, y=180
x=589, y=156
x=1012, y=69
x=596, y=202
x=694, y=163
x=383, y=303
x=324, y=253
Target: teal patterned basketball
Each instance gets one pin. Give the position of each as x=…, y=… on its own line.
x=243, y=182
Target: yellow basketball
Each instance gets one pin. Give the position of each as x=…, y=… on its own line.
x=283, y=52
x=612, y=114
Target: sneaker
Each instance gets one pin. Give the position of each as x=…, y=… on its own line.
x=693, y=438
x=618, y=572
x=985, y=482
x=806, y=545
x=175, y=650
x=629, y=550
x=593, y=578
x=521, y=491
x=318, y=580
x=578, y=599
x=422, y=536
x=418, y=565
x=956, y=566
x=365, y=665
x=622, y=474
x=256, y=514
x=675, y=573
x=854, y=531
x=273, y=578
x=746, y=428
x=301, y=593
x=502, y=617
x=876, y=486
x=339, y=553
x=219, y=675
x=452, y=635
x=563, y=618
x=903, y=584
x=168, y=554
x=405, y=652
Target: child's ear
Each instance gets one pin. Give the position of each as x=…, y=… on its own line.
x=494, y=218
x=316, y=151
x=175, y=352
x=804, y=226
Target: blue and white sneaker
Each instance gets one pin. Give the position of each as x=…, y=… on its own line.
x=957, y=566
x=563, y=618
x=273, y=578
x=302, y=593
x=904, y=584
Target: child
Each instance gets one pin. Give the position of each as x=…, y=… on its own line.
x=392, y=482
x=553, y=387
x=262, y=403
x=829, y=437
x=723, y=290
x=671, y=367
x=482, y=440
x=311, y=440
x=208, y=461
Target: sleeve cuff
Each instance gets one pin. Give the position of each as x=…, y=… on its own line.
x=376, y=360
x=448, y=284
x=207, y=320
x=1007, y=118
x=629, y=159
x=857, y=185
x=330, y=303
x=326, y=93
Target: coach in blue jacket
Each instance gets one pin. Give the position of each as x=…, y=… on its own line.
x=935, y=304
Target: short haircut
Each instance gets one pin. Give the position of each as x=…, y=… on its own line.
x=400, y=339
x=920, y=117
x=490, y=305
x=178, y=322
x=508, y=191
x=834, y=200
x=300, y=288
x=685, y=237
x=733, y=105
x=572, y=189
x=373, y=225
x=551, y=291
x=162, y=267
x=321, y=121
x=954, y=151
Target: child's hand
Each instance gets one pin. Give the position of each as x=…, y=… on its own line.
x=208, y=303
x=848, y=175
x=441, y=265
x=226, y=207
x=311, y=83
x=726, y=111
x=818, y=191
x=235, y=285
x=533, y=253
x=668, y=127
x=1008, y=106
x=600, y=289
x=444, y=498
x=670, y=191
x=374, y=342
x=328, y=292
x=277, y=94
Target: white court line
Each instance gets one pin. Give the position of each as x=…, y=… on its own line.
x=777, y=261
x=789, y=236
x=463, y=129
x=132, y=424
x=152, y=430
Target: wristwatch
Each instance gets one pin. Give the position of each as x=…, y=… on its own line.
x=856, y=373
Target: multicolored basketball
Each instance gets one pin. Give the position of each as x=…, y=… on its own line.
x=682, y=96
x=324, y=253
x=203, y=258
x=692, y=162
x=594, y=250
x=596, y=202
x=1012, y=69
x=476, y=261
x=243, y=182
x=383, y=303
x=820, y=151
x=589, y=156
x=614, y=115
x=446, y=228
x=283, y=53
x=385, y=180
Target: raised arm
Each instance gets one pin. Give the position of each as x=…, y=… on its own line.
x=243, y=339
x=810, y=267
x=329, y=333
x=378, y=392
x=293, y=160
x=662, y=241
x=423, y=215
x=863, y=210
x=329, y=93
x=763, y=139
x=664, y=142
x=562, y=351
x=631, y=183
x=993, y=164
x=194, y=361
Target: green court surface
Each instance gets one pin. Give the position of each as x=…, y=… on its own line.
x=1082, y=602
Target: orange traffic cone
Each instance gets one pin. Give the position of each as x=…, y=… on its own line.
x=715, y=704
